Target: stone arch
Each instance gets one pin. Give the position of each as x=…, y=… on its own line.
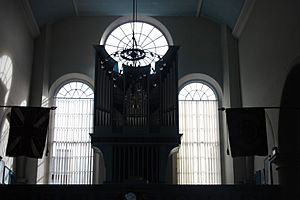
x=141, y=18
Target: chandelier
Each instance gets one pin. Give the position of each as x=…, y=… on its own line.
x=133, y=52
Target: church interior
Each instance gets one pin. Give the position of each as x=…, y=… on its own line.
x=149, y=99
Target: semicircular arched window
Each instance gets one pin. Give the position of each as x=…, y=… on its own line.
x=71, y=160
x=198, y=159
x=75, y=89
x=147, y=38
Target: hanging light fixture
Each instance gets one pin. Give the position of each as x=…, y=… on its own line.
x=133, y=52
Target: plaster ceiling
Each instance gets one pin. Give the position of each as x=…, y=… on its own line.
x=220, y=11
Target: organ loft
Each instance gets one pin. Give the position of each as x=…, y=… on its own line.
x=136, y=113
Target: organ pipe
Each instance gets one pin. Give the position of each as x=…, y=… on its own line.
x=135, y=117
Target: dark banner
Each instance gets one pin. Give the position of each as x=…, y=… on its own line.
x=247, y=131
x=28, y=130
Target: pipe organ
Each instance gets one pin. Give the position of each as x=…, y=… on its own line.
x=136, y=117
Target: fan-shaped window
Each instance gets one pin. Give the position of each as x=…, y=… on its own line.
x=198, y=159
x=147, y=38
x=75, y=90
x=6, y=68
x=71, y=159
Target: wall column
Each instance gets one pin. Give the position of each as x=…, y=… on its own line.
x=26, y=168
x=243, y=167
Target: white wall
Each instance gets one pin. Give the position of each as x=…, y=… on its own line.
x=73, y=39
x=16, y=41
x=267, y=47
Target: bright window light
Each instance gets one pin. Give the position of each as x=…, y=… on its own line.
x=71, y=159
x=148, y=38
x=198, y=159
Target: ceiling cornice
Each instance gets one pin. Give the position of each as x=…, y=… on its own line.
x=75, y=7
x=198, y=13
x=243, y=18
x=30, y=19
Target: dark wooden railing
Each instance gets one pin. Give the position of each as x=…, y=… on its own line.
x=140, y=191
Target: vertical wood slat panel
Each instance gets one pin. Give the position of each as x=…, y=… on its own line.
x=101, y=87
x=169, y=99
x=133, y=161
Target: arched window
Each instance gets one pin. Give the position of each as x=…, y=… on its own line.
x=151, y=41
x=198, y=159
x=147, y=38
x=71, y=160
